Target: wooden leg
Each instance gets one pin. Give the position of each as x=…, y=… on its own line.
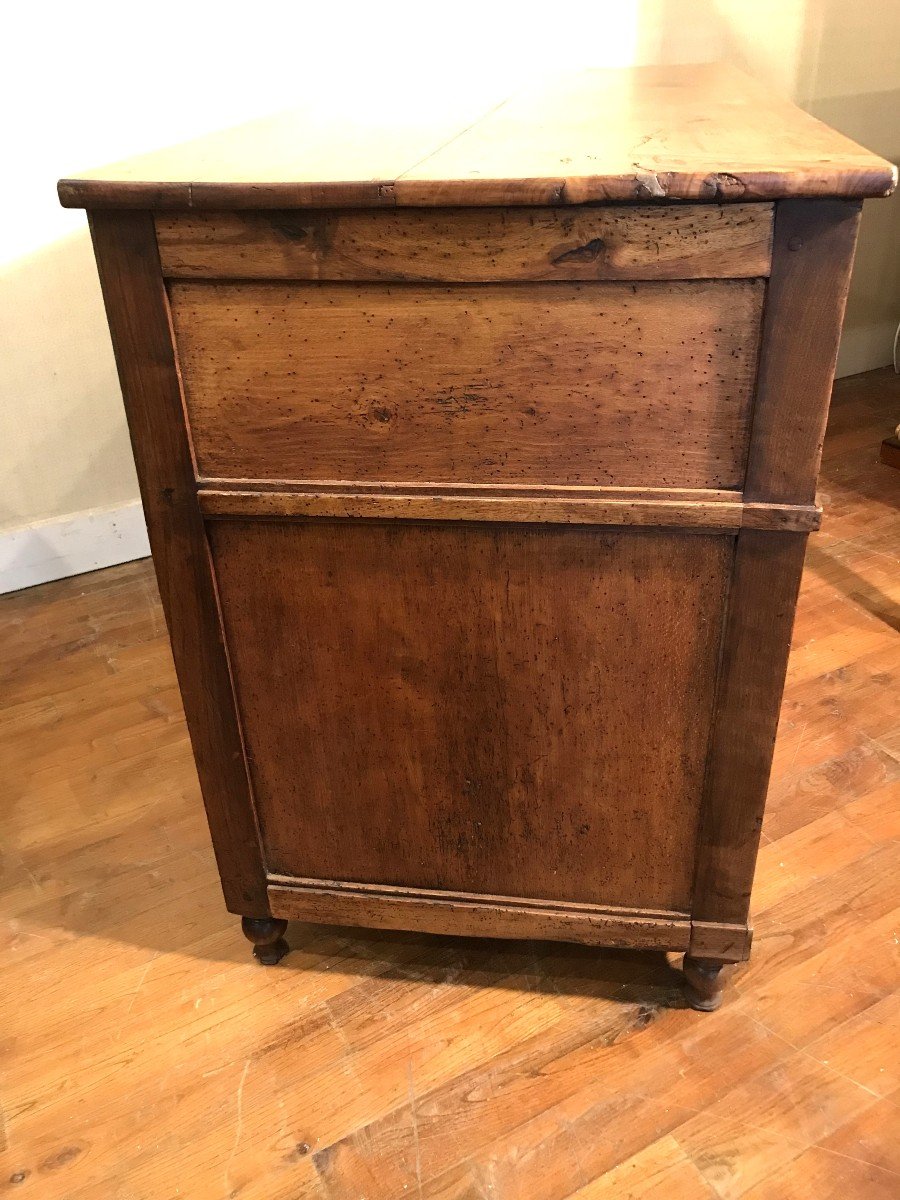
x=703, y=983
x=267, y=936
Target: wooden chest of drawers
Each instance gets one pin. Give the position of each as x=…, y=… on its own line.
x=478, y=492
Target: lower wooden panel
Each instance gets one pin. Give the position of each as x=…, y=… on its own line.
x=514, y=710
x=478, y=916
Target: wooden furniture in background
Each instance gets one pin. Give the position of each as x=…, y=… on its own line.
x=478, y=491
x=890, y=450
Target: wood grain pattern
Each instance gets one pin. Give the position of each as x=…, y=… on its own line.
x=158, y=1060
x=546, y=491
x=470, y=245
x=727, y=516
x=704, y=133
x=726, y=941
x=391, y=662
x=161, y=1060
x=813, y=255
x=318, y=155
x=467, y=915
x=133, y=291
x=757, y=636
x=565, y=383
x=692, y=132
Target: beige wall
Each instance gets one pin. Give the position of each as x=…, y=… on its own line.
x=840, y=60
x=96, y=82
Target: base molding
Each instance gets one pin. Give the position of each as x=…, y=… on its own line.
x=467, y=915
x=71, y=545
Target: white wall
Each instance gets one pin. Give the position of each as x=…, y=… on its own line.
x=87, y=84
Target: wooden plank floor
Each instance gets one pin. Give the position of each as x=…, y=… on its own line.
x=144, y=1056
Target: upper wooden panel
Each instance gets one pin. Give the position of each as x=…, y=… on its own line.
x=637, y=385
x=646, y=133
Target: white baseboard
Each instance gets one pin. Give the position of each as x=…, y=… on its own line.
x=865, y=348
x=71, y=545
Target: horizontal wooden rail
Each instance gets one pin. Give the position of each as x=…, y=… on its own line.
x=553, y=508
x=469, y=915
x=470, y=245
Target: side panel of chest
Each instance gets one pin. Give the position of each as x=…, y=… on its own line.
x=479, y=537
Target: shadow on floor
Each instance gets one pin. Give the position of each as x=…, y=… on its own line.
x=853, y=586
x=563, y=969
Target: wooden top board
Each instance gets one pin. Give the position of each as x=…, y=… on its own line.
x=695, y=132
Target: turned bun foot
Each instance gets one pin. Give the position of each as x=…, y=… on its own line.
x=267, y=936
x=703, y=983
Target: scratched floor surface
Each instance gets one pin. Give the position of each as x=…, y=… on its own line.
x=145, y=1057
